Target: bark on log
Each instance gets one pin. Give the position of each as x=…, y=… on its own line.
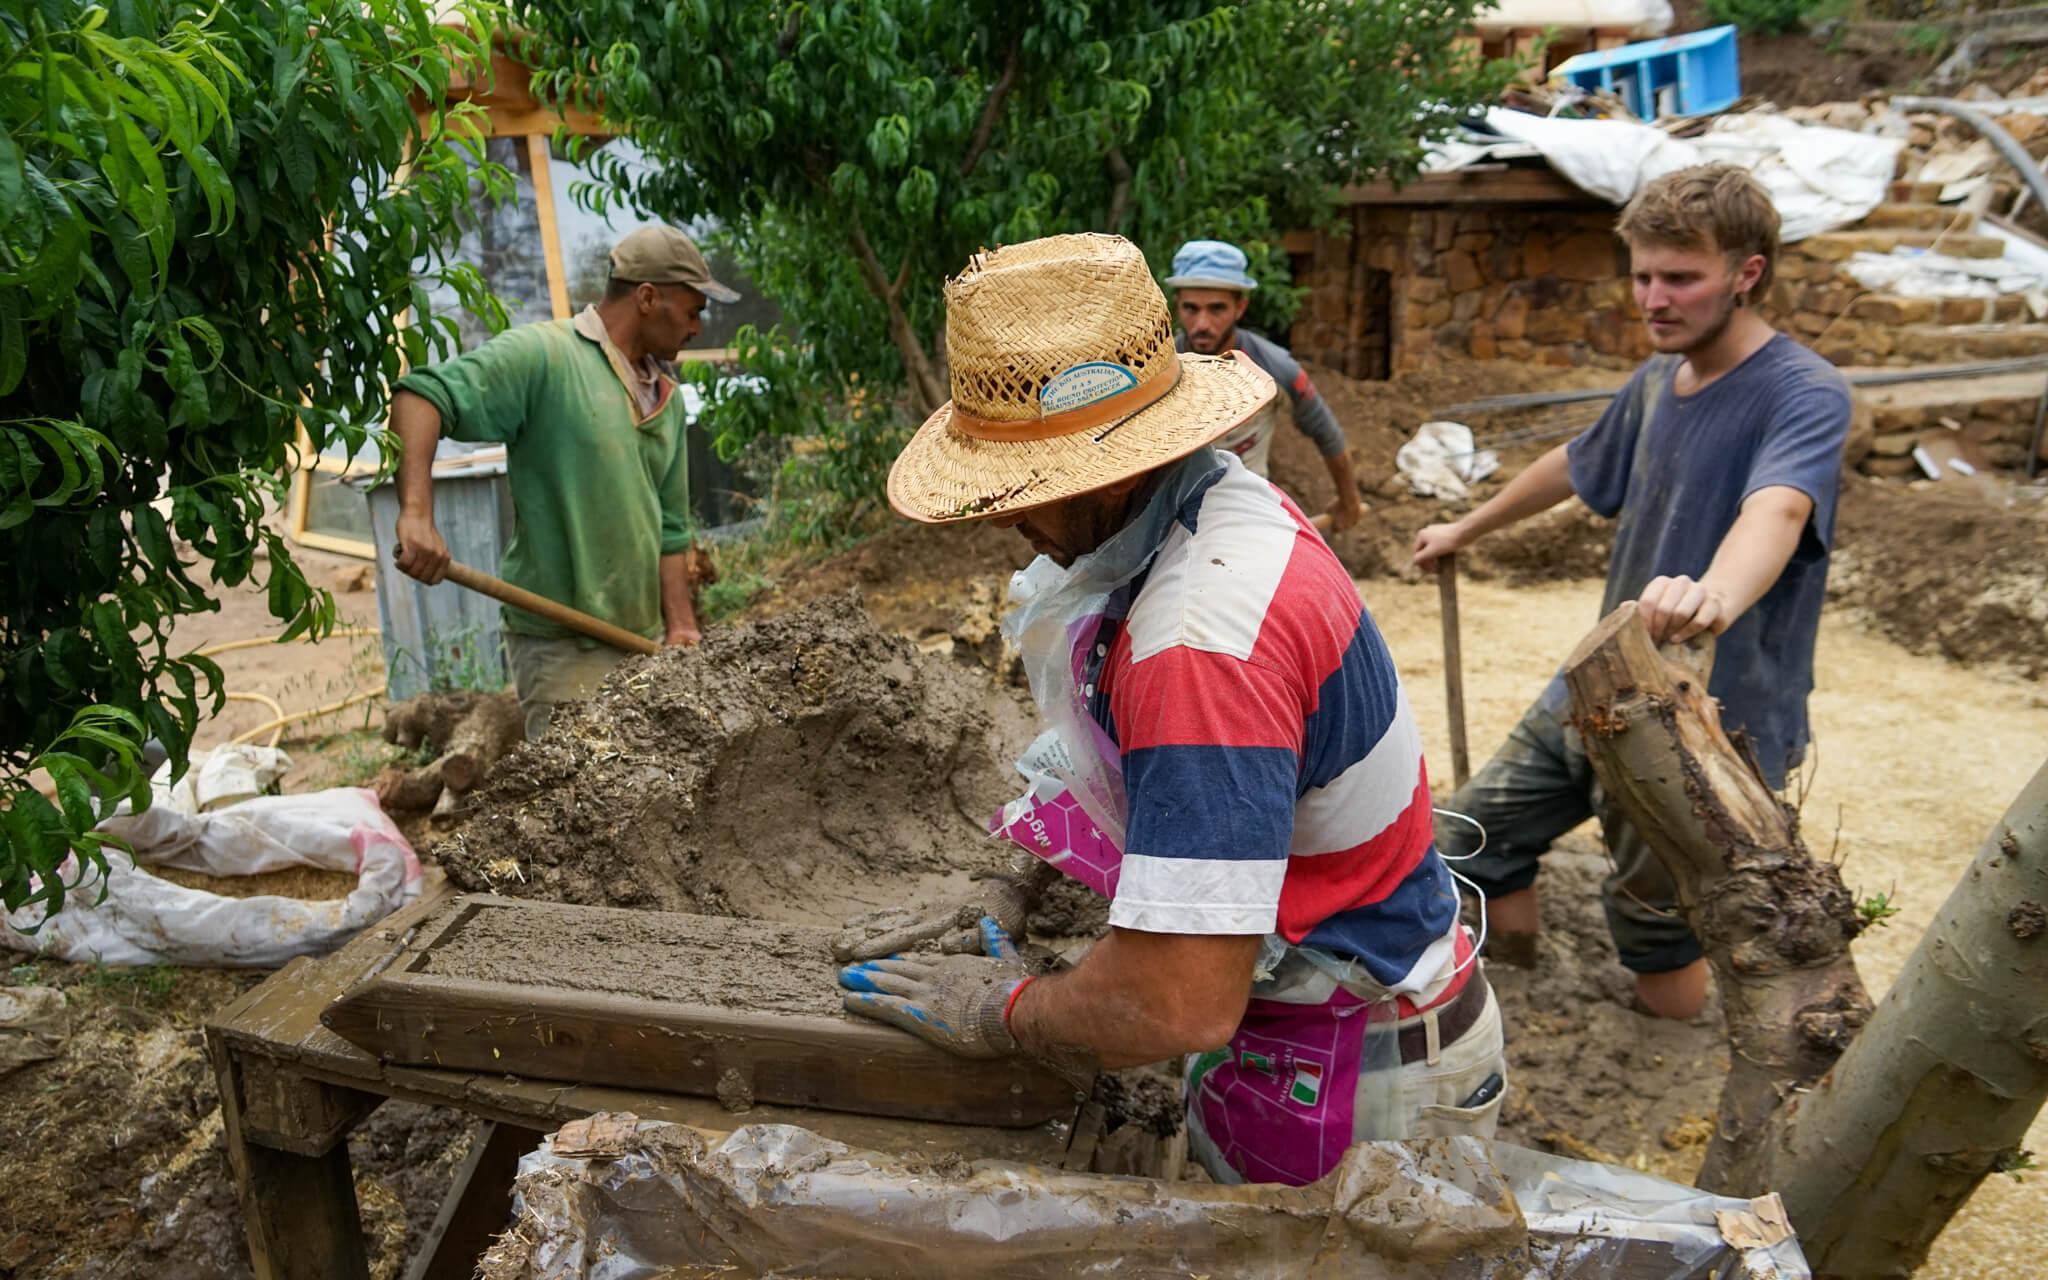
x=1940, y=1087
x=1775, y=923
x=429, y=718
x=491, y=729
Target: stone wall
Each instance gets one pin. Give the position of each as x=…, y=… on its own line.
x=1534, y=285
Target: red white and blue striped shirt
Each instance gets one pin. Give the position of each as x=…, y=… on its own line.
x=1271, y=761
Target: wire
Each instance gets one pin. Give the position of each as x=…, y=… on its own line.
x=229, y=646
x=276, y=709
x=297, y=716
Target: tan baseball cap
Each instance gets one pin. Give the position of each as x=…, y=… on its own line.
x=661, y=254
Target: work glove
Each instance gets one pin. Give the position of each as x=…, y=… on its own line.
x=956, y=1002
x=1005, y=897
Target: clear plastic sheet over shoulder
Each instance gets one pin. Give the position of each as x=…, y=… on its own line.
x=619, y=1200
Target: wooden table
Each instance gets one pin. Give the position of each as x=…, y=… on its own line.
x=291, y=1091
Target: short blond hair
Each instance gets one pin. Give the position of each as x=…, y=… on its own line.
x=1709, y=206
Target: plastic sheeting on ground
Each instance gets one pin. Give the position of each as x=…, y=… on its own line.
x=216, y=821
x=773, y=1200
x=1818, y=178
x=1920, y=273
x=1440, y=460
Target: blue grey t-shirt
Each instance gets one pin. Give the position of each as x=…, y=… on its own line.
x=1778, y=418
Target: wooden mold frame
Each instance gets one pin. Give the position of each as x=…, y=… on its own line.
x=405, y=1015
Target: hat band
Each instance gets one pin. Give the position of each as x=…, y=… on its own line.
x=1053, y=425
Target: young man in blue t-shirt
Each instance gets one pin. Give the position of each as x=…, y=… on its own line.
x=1722, y=460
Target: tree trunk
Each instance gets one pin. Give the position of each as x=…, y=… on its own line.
x=927, y=388
x=1775, y=923
x=1874, y=1154
x=1939, y=1089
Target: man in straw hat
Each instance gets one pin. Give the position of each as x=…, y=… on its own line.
x=1212, y=285
x=1230, y=758
x=594, y=437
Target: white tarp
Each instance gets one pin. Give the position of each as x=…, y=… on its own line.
x=1440, y=461
x=1912, y=273
x=215, y=822
x=1819, y=178
x=1642, y=19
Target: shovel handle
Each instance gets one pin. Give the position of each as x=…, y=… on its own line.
x=575, y=619
x=1454, y=665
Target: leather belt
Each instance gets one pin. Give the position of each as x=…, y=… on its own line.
x=1453, y=1019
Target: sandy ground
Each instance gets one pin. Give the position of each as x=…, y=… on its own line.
x=1917, y=758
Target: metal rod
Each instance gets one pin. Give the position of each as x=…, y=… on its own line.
x=1994, y=133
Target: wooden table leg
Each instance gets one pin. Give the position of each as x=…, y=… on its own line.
x=478, y=1204
x=300, y=1211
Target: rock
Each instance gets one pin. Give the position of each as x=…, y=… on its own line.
x=1512, y=319
x=1862, y=431
x=1960, y=311
x=1589, y=255
x=1461, y=271
x=354, y=578
x=2023, y=126
x=1894, y=445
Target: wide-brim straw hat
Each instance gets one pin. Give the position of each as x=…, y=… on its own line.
x=1064, y=381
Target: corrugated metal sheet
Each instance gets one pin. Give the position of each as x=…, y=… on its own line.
x=444, y=637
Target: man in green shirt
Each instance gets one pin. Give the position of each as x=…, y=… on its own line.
x=593, y=427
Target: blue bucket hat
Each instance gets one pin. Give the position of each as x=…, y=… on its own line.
x=1210, y=264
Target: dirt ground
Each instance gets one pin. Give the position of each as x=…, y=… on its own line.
x=114, y=1166
x=1916, y=757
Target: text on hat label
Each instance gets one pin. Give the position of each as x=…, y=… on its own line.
x=1084, y=384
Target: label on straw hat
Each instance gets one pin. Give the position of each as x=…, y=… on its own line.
x=1083, y=385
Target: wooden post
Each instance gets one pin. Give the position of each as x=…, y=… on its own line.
x=478, y=1203
x=1454, y=666
x=300, y=1211
x=550, y=230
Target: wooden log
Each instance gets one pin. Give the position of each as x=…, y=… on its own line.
x=1775, y=923
x=739, y=1010
x=480, y=739
x=1938, y=1091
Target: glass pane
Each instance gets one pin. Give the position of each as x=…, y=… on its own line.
x=503, y=242
x=587, y=239
x=336, y=508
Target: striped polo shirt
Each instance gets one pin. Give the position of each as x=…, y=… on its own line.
x=1271, y=761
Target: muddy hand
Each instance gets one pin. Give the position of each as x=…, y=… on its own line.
x=952, y=925
x=956, y=1002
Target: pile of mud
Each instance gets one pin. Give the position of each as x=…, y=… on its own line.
x=1587, y=1076
x=1944, y=569
x=801, y=768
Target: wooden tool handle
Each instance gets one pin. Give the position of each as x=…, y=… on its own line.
x=575, y=619
x=1454, y=665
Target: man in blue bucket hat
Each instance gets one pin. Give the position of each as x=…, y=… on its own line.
x=1211, y=288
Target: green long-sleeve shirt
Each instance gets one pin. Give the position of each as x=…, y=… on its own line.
x=600, y=493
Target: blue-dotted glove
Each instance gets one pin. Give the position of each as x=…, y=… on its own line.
x=954, y=1001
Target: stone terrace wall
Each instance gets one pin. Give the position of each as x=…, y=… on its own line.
x=1412, y=284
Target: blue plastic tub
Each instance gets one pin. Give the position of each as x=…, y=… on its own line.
x=1689, y=75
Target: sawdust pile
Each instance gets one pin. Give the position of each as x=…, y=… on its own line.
x=800, y=768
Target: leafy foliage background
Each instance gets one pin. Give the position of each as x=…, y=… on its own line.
x=855, y=153
x=201, y=248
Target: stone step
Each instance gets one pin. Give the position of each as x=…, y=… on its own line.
x=1919, y=217
x=1833, y=246
x=1904, y=191
x=1939, y=343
